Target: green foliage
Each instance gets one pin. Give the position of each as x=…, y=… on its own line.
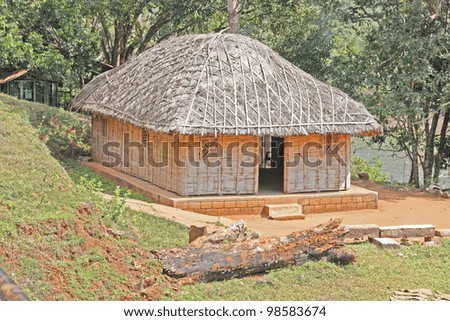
x=51, y=38
x=112, y=209
x=76, y=171
x=117, y=204
x=400, y=70
x=65, y=134
x=373, y=168
x=301, y=31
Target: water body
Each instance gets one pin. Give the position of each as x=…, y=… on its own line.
x=396, y=165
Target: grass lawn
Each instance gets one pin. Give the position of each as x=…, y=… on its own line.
x=76, y=171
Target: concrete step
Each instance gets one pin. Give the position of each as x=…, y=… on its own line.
x=283, y=212
x=424, y=230
x=363, y=230
x=385, y=243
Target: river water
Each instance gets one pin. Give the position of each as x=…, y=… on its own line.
x=396, y=165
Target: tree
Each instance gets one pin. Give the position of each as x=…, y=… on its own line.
x=403, y=72
x=52, y=38
x=128, y=27
x=234, y=9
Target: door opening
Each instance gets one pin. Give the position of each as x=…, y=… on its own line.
x=271, y=171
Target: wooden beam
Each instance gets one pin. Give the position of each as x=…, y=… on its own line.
x=16, y=74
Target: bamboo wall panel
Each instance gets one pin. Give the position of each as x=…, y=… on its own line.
x=224, y=174
x=316, y=171
x=164, y=172
x=155, y=161
x=96, y=138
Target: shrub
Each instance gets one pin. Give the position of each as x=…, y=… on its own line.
x=372, y=167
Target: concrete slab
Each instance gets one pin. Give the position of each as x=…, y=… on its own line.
x=443, y=232
x=283, y=212
x=363, y=230
x=385, y=243
x=424, y=230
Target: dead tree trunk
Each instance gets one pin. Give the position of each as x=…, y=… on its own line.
x=9, y=291
x=236, y=252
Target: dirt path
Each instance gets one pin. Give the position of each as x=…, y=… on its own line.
x=394, y=208
x=183, y=217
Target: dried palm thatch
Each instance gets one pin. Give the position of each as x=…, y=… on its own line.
x=222, y=84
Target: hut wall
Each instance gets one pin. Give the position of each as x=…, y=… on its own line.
x=139, y=152
x=230, y=169
x=311, y=166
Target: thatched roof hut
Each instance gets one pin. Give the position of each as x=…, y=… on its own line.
x=224, y=90
x=222, y=84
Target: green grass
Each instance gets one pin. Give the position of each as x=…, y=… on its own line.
x=375, y=276
x=76, y=171
x=33, y=186
x=46, y=244
x=153, y=232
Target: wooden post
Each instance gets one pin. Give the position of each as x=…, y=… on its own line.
x=234, y=8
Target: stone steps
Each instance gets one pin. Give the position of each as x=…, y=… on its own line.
x=283, y=212
x=426, y=231
x=400, y=231
x=385, y=243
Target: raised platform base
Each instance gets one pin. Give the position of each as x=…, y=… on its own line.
x=356, y=198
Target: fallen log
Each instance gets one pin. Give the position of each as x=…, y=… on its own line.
x=237, y=252
x=9, y=291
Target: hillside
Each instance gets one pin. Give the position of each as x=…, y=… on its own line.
x=54, y=238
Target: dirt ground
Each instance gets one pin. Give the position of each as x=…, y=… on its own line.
x=395, y=207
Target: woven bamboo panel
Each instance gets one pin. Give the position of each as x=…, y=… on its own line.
x=317, y=170
x=147, y=155
x=222, y=172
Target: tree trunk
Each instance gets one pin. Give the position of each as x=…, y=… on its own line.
x=9, y=291
x=428, y=160
x=441, y=147
x=234, y=8
x=236, y=252
x=414, y=178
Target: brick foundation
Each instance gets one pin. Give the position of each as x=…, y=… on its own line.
x=312, y=204
x=356, y=198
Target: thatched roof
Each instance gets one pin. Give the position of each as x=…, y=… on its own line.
x=222, y=84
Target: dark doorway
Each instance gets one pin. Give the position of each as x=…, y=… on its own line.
x=272, y=167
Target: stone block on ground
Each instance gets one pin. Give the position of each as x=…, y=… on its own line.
x=400, y=231
x=385, y=243
x=443, y=232
x=363, y=230
x=195, y=232
x=283, y=212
